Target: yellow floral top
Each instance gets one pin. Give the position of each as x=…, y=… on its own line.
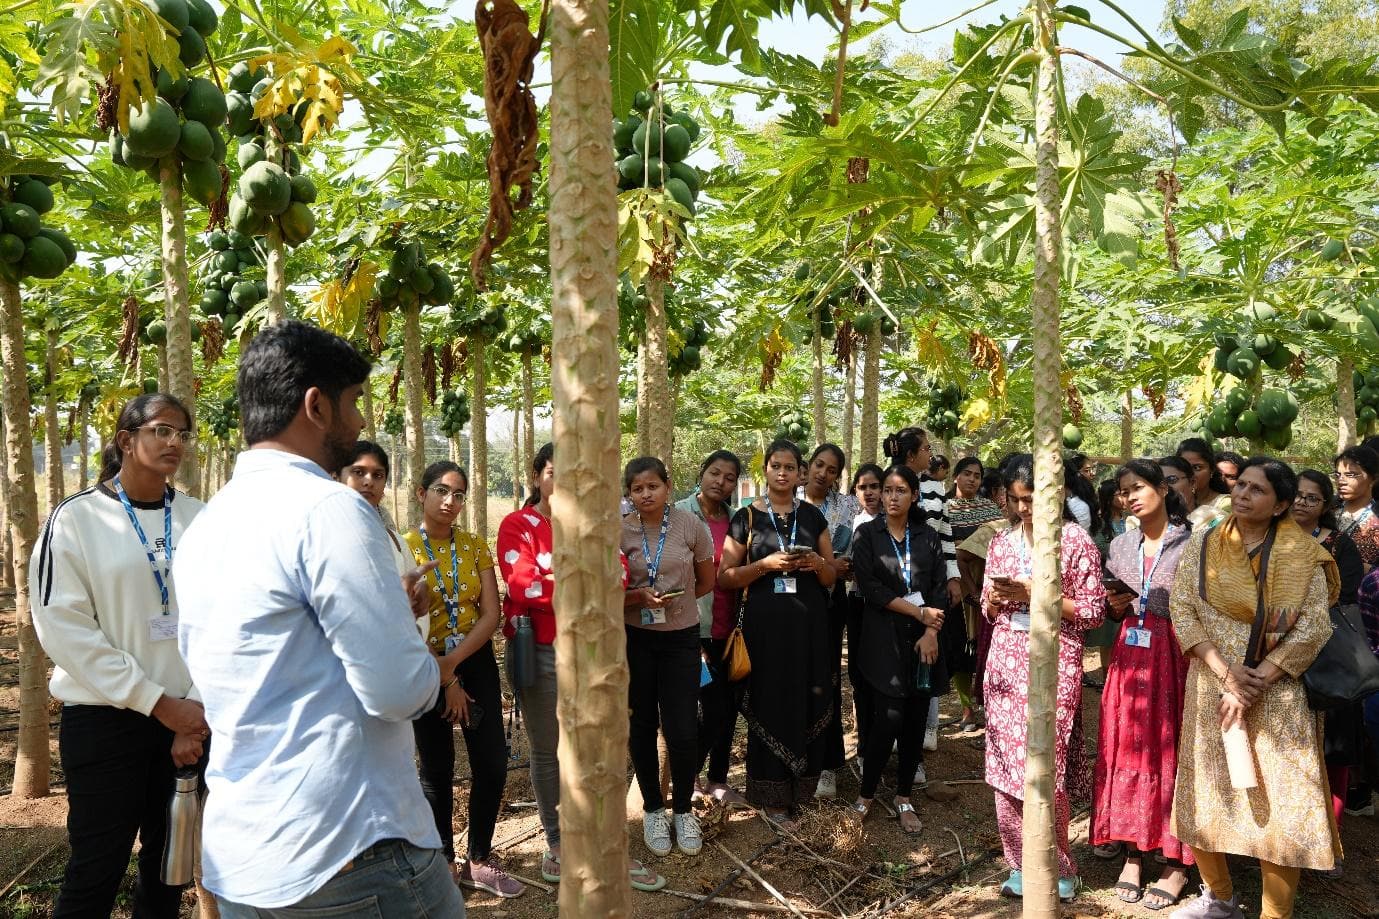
x=472, y=558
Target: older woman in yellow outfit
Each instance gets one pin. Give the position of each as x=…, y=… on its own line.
x=1250, y=606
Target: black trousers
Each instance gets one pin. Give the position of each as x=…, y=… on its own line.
x=894, y=719
x=719, y=704
x=861, y=689
x=488, y=757
x=119, y=772
x=663, y=692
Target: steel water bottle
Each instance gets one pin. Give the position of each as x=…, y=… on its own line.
x=523, y=650
x=184, y=821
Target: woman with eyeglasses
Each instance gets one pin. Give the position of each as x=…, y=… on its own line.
x=1142, y=703
x=366, y=471
x=105, y=608
x=1356, y=471
x=1179, y=477
x=1314, y=511
x=463, y=617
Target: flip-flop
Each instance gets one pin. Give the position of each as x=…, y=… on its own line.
x=1164, y=894
x=1135, y=889
x=550, y=877
x=638, y=877
x=903, y=809
x=1108, y=850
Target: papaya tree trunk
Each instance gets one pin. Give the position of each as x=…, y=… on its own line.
x=370, y=423
x=6, y=541
x=33, y=762
x=1127, y=425
x=528, y=418
x=402, y=481
x=820, y=414
x=661, y=421
x=412, y=385
x=871, y=385
x=181, y=374
x=1347, y=427
x=276, y=268
x=478, y=436
x=83, y=445
x=643, y=401
x=850, y=411
x=52, y=429
x=163, y=384
x=1040, y=854
x=591, y=660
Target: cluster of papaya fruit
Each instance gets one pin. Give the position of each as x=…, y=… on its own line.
x=945, y=409
x=1267, y=417
x=393, y=422
x=410, y=280
x=271, y=185
x=794, y=425
x=226, y=292
x=153, y=330
x=652, y=143
x=1367, y=400
x=489, y=321
x=28, y=249
x=220, y=418
x=454, y=412
x=1241, y=356
x=185, y=117
x=688, y=356
x=527, y=338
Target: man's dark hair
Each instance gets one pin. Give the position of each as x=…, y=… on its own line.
x=281, y=364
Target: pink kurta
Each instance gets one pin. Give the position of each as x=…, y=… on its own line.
x=1006, y=681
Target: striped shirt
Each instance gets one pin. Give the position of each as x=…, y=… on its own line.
x=935, y=499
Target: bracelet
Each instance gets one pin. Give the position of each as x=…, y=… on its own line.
x=450, y=682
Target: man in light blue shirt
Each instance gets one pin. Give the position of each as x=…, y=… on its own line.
x=297, y=630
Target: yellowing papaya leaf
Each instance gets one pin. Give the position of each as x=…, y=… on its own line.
x=1200, y=389
x=929, y=348
x=308, y=74
x=338, y=306
x=976, y=414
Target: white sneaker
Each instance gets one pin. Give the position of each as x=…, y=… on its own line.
x=921, y=777
x=828, y=785
x=931, y=738
x=689, y=838
x=656, y=832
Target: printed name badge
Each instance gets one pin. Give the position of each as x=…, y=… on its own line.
x=785, y=585
x=162, y=628
x=1138, y=638
x=1019, y=622
x=915, y=598
x=705, y=677
x=653, y=617
x=452, y=642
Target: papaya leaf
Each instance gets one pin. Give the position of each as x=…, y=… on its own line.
x=634, y=33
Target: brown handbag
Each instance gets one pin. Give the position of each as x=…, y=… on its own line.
x=737, y=665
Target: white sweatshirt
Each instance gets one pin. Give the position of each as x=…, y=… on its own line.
x=93, y=594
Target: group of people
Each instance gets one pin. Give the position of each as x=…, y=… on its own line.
x=305, y=657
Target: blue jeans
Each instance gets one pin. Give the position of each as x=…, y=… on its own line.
x=392, y=879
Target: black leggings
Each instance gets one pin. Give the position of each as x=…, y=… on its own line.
x=861, y=690
x=663, y=692
x=119, y=772
x=894, y=718
x=719, y=704
x=488, y=757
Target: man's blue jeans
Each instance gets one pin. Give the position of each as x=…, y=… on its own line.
x=390, y=880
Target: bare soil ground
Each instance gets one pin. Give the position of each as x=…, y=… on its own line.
x=829, y=869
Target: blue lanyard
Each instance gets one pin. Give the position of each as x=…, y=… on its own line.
x=160, y=576
x=653, y=567
x=794, y=522
x=1146, y=580
x=452, y=604
x=904, y=560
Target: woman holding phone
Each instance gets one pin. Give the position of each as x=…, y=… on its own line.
x=670, y=566
x=1142, y=704
x=1006, y=603
x=779, y=550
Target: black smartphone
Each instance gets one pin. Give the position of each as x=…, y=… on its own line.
x=1115, y=586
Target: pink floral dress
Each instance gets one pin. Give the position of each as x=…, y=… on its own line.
x=1006, y=682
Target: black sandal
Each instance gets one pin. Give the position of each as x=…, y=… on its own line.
x=1135, y=889
x=1171, y=899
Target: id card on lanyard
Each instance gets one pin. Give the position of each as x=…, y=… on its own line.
x=162, y=626
x=1020, y=622
x=452, y=602
x=784, y=584
x=653, y=567
x=1137, y=636
x=912, y=596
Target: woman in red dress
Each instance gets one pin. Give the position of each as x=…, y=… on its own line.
x=1142, y=704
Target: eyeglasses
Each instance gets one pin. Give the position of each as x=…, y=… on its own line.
x=1349, y=476
x=441, y=493
x=1172, y=479
x=373, y=475
x=167, y=433
x=1310, y=500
